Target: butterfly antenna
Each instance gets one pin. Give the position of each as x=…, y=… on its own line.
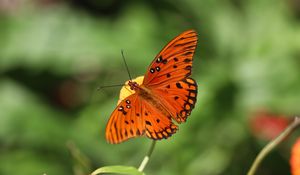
x=115, y=85
x=126, y=64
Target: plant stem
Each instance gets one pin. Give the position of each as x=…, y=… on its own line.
x=271, y=145
x=146, y=158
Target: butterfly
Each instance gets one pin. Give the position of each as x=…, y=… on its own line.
x=165, y=93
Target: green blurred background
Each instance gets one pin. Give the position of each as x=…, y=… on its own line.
x=55, y=53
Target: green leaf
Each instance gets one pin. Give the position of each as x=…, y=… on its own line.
x=118, y=169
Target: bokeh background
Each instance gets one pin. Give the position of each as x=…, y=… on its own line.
x=55, y=53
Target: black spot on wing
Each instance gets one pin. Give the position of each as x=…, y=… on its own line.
x=189, y=67
x=178, y=85
x=159, y=59
x=188, y=53
x=187, y=60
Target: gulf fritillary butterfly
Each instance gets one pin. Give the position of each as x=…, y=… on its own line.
x=166, y=92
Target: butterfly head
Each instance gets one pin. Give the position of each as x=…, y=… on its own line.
x=126, y=90
x=133, y=85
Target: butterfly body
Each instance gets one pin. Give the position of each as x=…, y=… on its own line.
x=165, y=93
x=145, y=94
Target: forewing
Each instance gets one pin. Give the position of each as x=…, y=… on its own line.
x=126, y=121
x=174, y=62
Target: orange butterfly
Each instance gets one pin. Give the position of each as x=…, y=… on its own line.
x=166, y=92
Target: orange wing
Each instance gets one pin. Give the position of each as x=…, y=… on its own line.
x=168, y=76
x=174, y=62
x=135, y=117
